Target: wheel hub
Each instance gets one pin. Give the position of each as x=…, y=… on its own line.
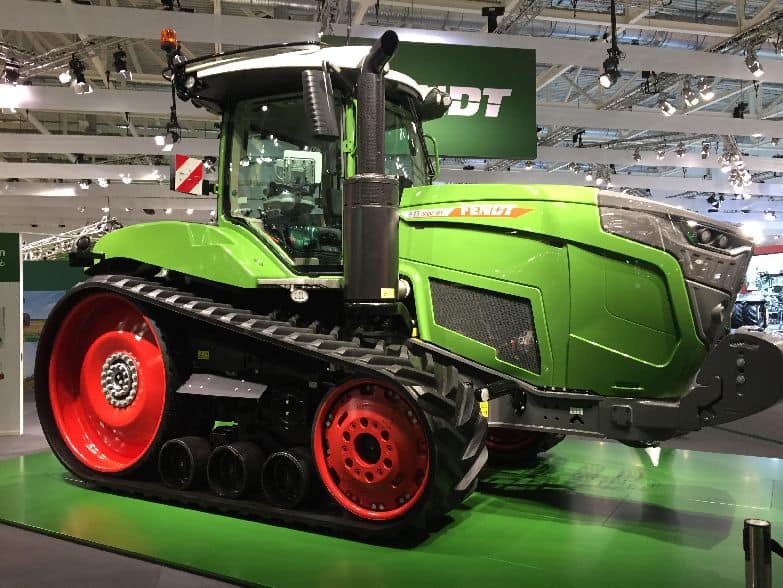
x=371, y=449
x=119, y=379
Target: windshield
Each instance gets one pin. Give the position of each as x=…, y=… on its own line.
x=405, y=154
x=286, y=183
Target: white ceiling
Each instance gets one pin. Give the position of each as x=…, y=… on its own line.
x=113, y=126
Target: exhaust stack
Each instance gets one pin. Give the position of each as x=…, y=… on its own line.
x=370, y=216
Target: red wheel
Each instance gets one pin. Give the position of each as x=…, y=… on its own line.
x=107, y=383
x=517, y=447
x=503, y=439
x=371, y=449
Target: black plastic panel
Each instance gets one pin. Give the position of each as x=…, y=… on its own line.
x=498, y=320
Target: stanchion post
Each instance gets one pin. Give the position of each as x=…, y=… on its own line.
x=756, y=541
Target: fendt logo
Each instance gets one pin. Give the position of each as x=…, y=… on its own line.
x=467, y=101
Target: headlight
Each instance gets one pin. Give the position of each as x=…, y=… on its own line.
x=708, y=253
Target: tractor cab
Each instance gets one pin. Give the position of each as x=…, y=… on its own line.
x=289, y=140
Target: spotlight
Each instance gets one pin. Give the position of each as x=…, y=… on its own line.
x=753, y=63
x=689, y=95
x=172, y=135
x=680, y=151
x=611, y=71
x=65, y=77
x=11, y=73
x=188, y=211
x=85, y=184
x=105, y=209
x=589, y=175
x=126, y=179
x=705, y=89
x=714, y=201
x=769, y=215
x=121, y=65
x=167, y=211
x=667, y=108
x=599, y=180
x=528, y=165
x=660, y=153
x=637, y=156
x=705, y=149
x=76, y=71
x=753, y=230
x=103, y=182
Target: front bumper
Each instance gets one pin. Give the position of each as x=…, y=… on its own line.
x=740, y=377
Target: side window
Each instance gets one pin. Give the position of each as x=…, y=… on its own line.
x=285, y=182
x=404, y=153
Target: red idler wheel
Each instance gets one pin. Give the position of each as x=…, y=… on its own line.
x=371, y=449
x=517, y=447
x=507, y=439
x=107, y=383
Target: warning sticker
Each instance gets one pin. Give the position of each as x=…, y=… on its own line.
x=484, y=408
x=387, y=293
x=469, y=211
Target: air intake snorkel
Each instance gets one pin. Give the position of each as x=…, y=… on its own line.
x=370, y=215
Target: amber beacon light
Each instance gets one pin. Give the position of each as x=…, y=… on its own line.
x=168, y=39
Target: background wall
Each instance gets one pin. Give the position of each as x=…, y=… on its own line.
x=44, y=284
x=10, y=335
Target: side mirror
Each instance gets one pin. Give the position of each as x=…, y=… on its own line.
x=436, y=103
x=319, y=103
x=432, y=149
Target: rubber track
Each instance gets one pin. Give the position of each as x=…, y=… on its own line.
x=449, y=407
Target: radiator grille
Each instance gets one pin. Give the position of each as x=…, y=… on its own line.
x=498, y=320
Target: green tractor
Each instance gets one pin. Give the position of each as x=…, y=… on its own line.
x=321, y=354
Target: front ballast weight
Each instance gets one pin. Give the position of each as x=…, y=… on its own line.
x=739, y=377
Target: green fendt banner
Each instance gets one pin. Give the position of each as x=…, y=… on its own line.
x=493, y=113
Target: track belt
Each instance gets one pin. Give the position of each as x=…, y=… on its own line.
x=427, y=389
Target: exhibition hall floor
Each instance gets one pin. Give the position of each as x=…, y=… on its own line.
x=588, y=514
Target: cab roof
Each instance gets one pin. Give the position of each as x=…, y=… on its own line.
x=293, y=57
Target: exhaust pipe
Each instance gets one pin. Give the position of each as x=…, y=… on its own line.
x=370, y=216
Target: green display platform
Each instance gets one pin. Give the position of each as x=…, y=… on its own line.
x=589, y=514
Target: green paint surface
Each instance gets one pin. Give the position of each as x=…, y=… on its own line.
x=588, y=514
x=229, y=253
x=9, y=257
x=612, y=316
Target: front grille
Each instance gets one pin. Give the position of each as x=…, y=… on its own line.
x=503, y=322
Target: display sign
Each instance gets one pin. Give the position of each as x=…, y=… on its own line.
x=10, y=334
x=493, y=113
x=187, y=175
x=493, y=89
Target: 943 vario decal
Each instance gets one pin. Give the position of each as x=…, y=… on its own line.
x=468, y=211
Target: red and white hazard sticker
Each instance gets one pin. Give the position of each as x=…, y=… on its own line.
x=188, y=174
x=469, y=210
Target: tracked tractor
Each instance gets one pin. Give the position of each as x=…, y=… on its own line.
x=322, y=352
